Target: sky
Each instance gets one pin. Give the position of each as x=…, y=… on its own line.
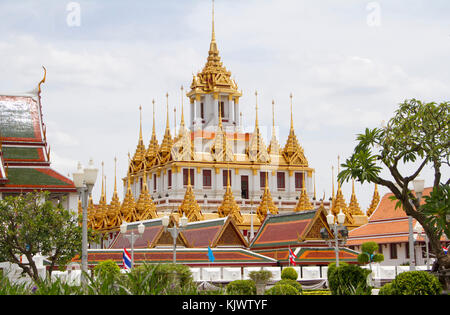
x=348, y=64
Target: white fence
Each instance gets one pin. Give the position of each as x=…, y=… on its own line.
x=216, y=274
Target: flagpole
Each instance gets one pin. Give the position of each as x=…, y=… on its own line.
x=289, y=255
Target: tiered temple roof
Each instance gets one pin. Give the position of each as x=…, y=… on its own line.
x=24, y=151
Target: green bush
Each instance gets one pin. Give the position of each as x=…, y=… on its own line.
x=282, y=289
x=261, y=276
x=349, y=280
x=386, y=289
x=316, y=292
x=241, y=287
x=415, y=283
x=289, y=273
x=332, y=268
x=293, y=283
x=107, y=268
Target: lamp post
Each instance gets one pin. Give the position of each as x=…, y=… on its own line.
x=174, y=231
x=337, y=227
x=132, y=237
x=84, y=182
x=418, y=188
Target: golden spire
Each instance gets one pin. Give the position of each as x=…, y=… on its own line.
x=266, y=203
x=257, y=151
x=292, y=151
x=145, y=208
x=128, y=207
x=214, y=75
x=182, y=111
x=292, y=119
x=166, y=144
x=353, y=206
x=213, y=36
x=274, y=146
x=229, y=207
x=140, y=153
x=153, y=147
x=114, y=206
x=374, y=203
x=221, y=150
x=189, y=206
x=303, y=202
x=102, y=201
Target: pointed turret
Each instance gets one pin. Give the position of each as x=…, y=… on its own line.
x=145, y=207
x=128, y=207
x=139, y=155
x=221, y=149
x=229, y=207
x=114, y=206
x=292, y=151
x=353, y=206
x=182, y=148
x=189, y=207
x=303, y=202
x=266, y=205
x=214, y=76
x=374, y=203
x=257, y=151
x=166, y=144
x=274, y=146
x=152, y=156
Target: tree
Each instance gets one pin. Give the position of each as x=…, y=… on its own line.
x=418, y=134
x=32, y=224
x=369, y=253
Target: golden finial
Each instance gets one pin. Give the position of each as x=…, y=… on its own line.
x=273, y=114
x=115, y=174
x=43, y=79
x=140, y=123
x=256, y=108
x=292, y=119
x=213, y=38
x=182, y=108
x=175, y=121
x=167, y=109
x=153, y=102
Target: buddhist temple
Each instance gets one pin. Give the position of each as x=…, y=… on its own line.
x=209, y=169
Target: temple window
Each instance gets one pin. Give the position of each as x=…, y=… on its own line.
x=281, y=184
x=207, y=179
x=298, y=181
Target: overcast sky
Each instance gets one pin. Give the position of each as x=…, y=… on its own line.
x=348, y=64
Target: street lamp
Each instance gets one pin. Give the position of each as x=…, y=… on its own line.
x=132, y=237
x=419, y=230
x=84, y=182
x=174, y=231
x=418, y=188
x=338, y=227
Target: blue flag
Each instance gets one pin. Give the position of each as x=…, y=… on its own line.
x=210, y=255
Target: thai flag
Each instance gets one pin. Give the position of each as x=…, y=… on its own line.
x=126, y=258
x=292, y=257
x=445, y=250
